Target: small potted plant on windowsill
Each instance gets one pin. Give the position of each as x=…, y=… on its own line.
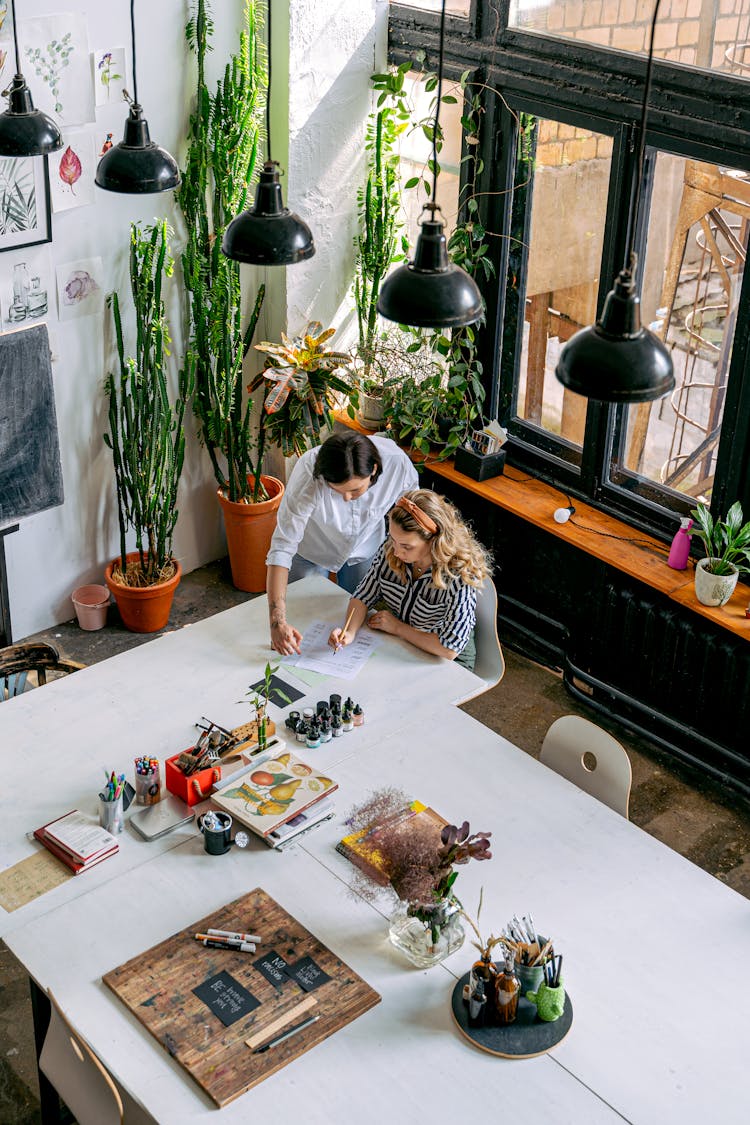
x=727, y=545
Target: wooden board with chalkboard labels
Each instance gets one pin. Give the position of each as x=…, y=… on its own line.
x=211, y=1009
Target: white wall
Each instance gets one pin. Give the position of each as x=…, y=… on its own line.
x=318, y=137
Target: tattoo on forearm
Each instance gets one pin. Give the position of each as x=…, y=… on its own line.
x=277, y=611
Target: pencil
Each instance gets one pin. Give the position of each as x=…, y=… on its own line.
x=347, y=623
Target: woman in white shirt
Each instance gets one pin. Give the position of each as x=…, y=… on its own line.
x=332, y=518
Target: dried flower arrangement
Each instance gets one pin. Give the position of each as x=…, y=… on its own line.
x=411, y=852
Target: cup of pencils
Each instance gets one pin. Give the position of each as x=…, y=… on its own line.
x=147, y=781
x=112, y=803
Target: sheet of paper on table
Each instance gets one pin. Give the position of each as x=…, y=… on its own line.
x=318, y=656
x=30, y=878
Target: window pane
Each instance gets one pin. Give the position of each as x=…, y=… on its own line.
x=704, y=33
x=452, y=8
x=571, y=171
x=697, y=240
x=416, y=150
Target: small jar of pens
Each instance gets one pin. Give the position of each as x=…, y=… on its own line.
x=147, y=781
x=114, y=800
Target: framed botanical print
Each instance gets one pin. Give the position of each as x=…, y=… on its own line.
x=24, y=202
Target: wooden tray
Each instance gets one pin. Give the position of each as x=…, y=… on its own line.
x=157, y=987
x=525, y=1038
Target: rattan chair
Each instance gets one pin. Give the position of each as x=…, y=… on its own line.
x=36, y=660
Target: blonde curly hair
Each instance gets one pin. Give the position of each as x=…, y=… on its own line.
x=456, y=553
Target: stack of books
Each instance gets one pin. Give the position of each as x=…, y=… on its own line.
x=277, y=798
x=76, y=841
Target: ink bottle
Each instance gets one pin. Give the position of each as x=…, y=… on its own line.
x=477, y=1003
x=358, y=715
x=301, y=732
x=347, y=721
x=349, y=704
x=336, y=730
x=313, y=735
x=325, y=729
x=308, y=713
x=507, y=991
x=321, y=706
x=292, y=719
x=335, y=702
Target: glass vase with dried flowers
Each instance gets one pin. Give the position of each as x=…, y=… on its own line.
x=401, y=844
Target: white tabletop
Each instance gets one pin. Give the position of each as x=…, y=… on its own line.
x=60, y=740
x=653, y=947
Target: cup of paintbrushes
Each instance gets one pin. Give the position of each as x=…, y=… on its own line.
x=530, y=961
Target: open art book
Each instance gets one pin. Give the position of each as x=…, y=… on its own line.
x=267, y=794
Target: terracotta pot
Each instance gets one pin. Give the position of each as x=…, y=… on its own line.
x=143, y=609
x=249, y=528
x=90, y=604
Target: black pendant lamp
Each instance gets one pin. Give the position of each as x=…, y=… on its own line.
x=25, y=131
x=430, y=291
x=137, y=166
x=617, y=359
x=268, y=234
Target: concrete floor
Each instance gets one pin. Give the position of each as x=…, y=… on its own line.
x=697, y=818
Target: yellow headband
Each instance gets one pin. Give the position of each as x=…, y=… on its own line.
x=425, y=522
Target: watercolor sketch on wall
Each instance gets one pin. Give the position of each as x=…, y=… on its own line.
x=109, y=75
x=72, y=169
x=55, y=50
x=80, y=290
x=24, y=202
x=25, y=282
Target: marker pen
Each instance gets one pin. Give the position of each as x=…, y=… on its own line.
x=237, y=946
x=235, y=935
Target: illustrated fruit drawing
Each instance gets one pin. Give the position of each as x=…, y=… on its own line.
x=260, y=777
x=270, y=808
x=285, y=791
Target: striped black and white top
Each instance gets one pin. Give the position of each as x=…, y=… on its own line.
x=449, y=613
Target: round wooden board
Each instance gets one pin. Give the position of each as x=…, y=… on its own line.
x=525, y=1038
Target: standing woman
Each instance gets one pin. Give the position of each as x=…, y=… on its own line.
x=422, y=585
x=331, y=518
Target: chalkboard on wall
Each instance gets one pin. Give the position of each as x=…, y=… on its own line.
x=30, y=470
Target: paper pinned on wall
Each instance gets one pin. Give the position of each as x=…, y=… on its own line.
x=55, y=50
x=317, y=655
x=71, y=171
x=80, y=289
x=108, y=65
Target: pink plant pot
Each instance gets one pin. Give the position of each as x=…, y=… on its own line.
x=90, y=604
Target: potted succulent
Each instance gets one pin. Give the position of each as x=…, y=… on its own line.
x=727, y=545
x=147, y=440
x=222, y=162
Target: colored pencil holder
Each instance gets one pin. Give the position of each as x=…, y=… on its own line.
x=148, y=787
x=112, y=815
x=193, y=789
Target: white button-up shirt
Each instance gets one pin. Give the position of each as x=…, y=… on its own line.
x=317, y=523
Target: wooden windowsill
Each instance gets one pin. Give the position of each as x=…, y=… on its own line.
x=611, y=540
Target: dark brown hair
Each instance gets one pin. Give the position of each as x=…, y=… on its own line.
x=344, y=456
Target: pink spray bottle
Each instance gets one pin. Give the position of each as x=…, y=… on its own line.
x=679, y=552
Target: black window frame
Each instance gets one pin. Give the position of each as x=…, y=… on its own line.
x=689, y=109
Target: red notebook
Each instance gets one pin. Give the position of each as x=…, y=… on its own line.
x=77, y=836
x=75, y=865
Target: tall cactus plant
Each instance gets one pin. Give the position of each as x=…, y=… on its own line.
x=146, y=435
x=224, y=140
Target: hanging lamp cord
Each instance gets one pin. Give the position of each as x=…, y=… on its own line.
x=631, y=258
x=132, y=35
x=268, y=91
x=15, y=37
x=433, y=206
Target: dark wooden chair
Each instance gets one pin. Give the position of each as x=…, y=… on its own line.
x=40, y=659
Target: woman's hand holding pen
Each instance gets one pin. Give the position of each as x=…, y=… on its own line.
x=285, y=639
x=340, y=638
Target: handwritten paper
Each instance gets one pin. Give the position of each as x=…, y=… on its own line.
x=318, y=656
x=32, y=877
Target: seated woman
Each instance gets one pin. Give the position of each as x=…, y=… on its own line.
x=425, y=576
x=332, y=518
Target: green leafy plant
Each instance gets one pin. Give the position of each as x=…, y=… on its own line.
x=146, y=435
x=224, y=139
x=378, y=245
x=301, y=384
x=437, y=409
x=727, y=542
x=259, y=702
x=17, y=196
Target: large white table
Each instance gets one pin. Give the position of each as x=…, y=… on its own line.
x=653, y=947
